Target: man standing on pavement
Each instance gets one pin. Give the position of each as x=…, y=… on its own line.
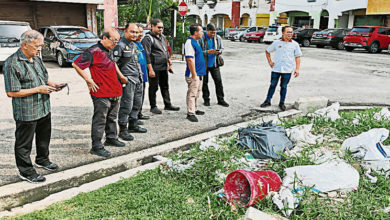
x=196, y=69
x=287, y=60
x=126, y=56
x=144, y=68
x=212, y=46
x=27, y=82
x=105, y=90
x=159, y=63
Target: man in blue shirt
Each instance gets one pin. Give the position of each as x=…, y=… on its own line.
x=212, y=46
x=196, y=69
x=144, y=68
x=287, y=60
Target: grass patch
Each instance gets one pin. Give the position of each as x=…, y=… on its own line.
x=167, y=194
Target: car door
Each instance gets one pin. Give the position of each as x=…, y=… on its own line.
x=52, y=44
x=387, y=42
x=46, y=45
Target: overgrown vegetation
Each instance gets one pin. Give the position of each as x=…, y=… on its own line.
x=162, y=194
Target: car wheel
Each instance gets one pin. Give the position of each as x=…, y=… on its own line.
x=349, y=49
x=306, y=43
x=320, y=46
x=249, y=41
x=261, y=40
x=232, y=39
x=241, y=39
x=60, y=60
x=340, y=46
x=374, y=48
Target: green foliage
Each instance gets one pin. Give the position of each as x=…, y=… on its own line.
x=169, y=194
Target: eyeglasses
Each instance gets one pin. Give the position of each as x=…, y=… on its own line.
x=160, y=27
x=114, y=41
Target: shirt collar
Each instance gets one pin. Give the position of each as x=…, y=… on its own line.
x=21, y=55
x=285, y=41
x=100, y=45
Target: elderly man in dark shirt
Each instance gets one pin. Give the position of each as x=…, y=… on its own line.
x=27, y=82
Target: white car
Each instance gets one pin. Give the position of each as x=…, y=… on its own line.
x=239, y=34
x=272, y=33
x=10, y=32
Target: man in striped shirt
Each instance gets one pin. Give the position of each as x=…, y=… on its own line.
x=27, y=82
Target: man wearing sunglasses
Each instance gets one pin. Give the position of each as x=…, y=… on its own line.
x=126, y=56
x=159, y=63
x=105, y=90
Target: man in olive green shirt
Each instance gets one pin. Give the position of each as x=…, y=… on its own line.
x=27, y=82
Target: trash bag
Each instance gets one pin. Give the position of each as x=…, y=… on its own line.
x=264, y=141
x=330, y=112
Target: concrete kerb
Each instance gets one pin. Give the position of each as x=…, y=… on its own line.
x=18, y=194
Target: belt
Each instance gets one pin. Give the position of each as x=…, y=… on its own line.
x=114, y=98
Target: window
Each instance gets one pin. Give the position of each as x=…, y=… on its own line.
x=49, y=34
x=363, y=30
x=384, y=31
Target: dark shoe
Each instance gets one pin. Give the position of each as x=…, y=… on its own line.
x=100, y=152
x=143, y=117
x=155, y=110
x=223, y=103
x=197, y=112
x=192, y=118
x=50, y=166
x=172, y=108
x=35, y=178
x=265, y=104
x=114, y=142
x=137, y=129
x=139, y=122
x=282, y=106
x=206, y=103
x=124, y=134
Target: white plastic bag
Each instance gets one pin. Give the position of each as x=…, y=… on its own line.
x=300, y=135
x=384, y=114
x=330, y=112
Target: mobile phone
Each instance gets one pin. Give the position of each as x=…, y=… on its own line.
x=171, y=71
x=62, y=86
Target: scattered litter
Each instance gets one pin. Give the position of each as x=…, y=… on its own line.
x=190, y=200
x=264, y=141
x=245, y=188
x=386, y=210
x=300, y=135
x=322, y=155
x=330, y=112
x=220, y=177
x=355, y=121
x=373, y=179
x=332, y=194
x=330, y=176
x=180, y=165
x=367, y=144
x=211, y=142
x=255, y=214
x=384, y=114
x=250, y=163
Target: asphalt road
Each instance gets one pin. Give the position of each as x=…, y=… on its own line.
x=357, y=77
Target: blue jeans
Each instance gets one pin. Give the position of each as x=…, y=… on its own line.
x=285, y=79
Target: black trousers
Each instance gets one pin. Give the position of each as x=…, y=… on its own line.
x=161, y=79
x=105, y=112
x=216, y=75
x=24, y=135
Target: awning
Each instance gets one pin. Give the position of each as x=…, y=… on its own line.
x=95, y=2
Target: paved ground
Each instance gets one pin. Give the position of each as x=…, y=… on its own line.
x=357, y=77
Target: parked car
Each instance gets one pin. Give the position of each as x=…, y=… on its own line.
x=372, y=38
x=303, y=36
x=239, y=34
x=273, y=33
x=10, y=32
x=330, y=37
x=65, y=43
x=257, y=36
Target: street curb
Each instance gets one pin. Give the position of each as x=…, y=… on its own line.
x=18, y=194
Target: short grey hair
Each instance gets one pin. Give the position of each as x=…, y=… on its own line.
x=30, y=36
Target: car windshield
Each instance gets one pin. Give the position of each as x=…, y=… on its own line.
x=329, y=30
x=75, y=33
x=242, y=29
x=363, y=30
x=273, y=29
x=12, y=31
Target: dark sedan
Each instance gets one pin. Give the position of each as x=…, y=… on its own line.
x=303, y=36
x=330, y=37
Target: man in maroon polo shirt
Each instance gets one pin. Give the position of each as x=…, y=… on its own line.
x=105, y=90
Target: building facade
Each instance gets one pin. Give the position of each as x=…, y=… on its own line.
x=229, y=13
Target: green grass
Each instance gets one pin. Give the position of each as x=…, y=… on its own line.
x=166, y=194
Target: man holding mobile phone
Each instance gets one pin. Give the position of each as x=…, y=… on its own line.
x=212, y=46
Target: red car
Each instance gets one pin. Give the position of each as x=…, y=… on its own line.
x=256, y=36
x=372, y=38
